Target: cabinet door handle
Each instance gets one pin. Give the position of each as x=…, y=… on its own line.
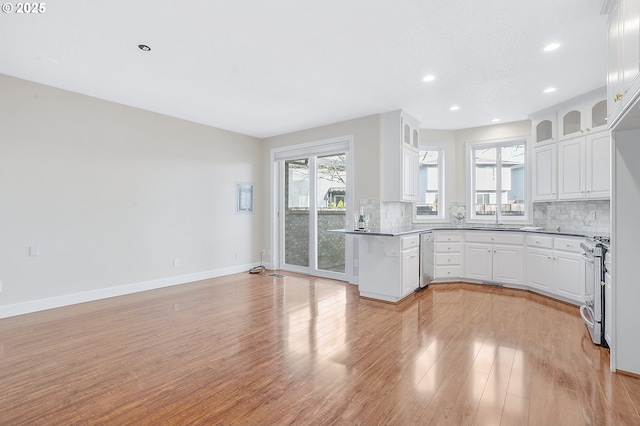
x=617, y=97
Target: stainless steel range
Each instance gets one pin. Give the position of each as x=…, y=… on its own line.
x=593, y=311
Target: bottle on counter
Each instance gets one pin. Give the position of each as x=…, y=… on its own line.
x=361, y=219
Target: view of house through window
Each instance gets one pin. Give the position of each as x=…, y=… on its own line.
x=429, y=203
x=499, y=180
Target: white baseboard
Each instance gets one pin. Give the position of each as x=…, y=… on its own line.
x=104, y=293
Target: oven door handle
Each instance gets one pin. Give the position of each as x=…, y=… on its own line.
x=583, y=309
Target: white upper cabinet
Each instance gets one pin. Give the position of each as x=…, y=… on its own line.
x=576, y=165
x=410, y=132
x=584, y=167
x=571, y=167
x=545, y=172
x=400, y=168
x=597, y=115
x=582, y=119
x=544, y=129
x=598, y=170
x=623, y=62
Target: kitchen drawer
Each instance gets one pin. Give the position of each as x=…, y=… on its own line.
x=410, y=242
x=448, y=259
x=448, y=272
x=568, y=244
x=443, y=237
x=448, y=247
x=540, y=241
x=499, y=237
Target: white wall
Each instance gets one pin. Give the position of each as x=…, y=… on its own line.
x=111, y=195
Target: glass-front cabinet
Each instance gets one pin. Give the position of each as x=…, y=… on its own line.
x=588, y=117
x=598, y=116
x=544, y=129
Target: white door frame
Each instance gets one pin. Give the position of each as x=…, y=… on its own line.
x=341, y=144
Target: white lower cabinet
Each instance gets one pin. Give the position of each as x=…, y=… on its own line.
x=555, y=266
x=410, y=270
x=448, y=255
x=496, y=257
x=479, y=264
x=389, y=266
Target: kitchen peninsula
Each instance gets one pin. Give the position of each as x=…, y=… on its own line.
x=390, y=260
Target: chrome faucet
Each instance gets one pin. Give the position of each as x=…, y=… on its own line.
x=497, y=223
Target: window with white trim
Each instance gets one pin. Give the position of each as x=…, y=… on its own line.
x=431, y=204
x=498, y=182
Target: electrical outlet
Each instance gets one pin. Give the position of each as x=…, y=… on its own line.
x=0, y=286
x=176, y=263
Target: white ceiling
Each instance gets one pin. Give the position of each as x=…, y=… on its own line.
x=268, y=67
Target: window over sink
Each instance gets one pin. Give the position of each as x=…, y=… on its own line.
x=498, y=182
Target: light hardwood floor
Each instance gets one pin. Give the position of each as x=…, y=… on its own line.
x=254, y=349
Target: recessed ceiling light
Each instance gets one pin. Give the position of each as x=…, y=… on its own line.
x=549, y=89
x=144, y=47
x=428, y=77
x=495, y=120
x=551, y=47
x=454, y=108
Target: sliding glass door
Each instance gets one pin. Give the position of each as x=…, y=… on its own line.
x=313, y=200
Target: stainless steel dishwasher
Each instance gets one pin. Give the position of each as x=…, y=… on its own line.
x=426, y=259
